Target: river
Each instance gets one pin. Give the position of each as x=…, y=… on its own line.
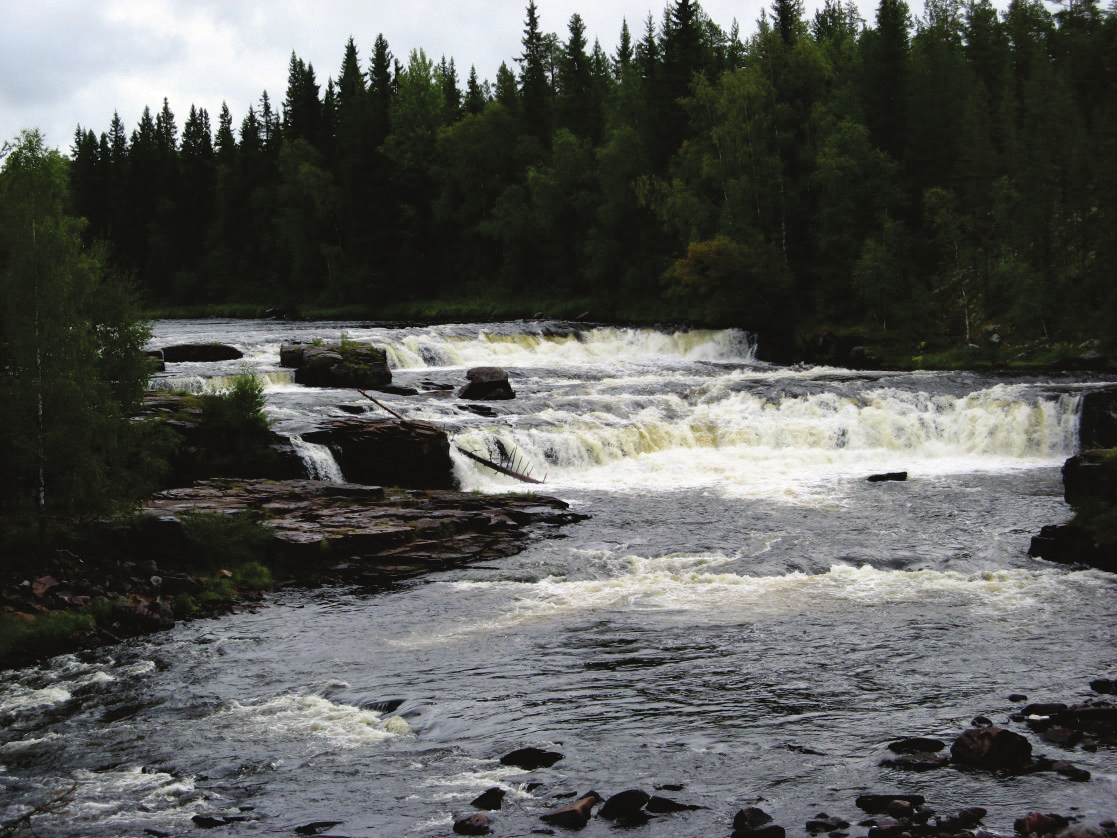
x=744, y=615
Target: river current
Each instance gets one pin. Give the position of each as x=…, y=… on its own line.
x=744, y=616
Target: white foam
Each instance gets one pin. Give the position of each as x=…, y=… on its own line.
x=298, y=717
x=694, y=585
x=18, y=698
x=605, y=345
x=743, y=444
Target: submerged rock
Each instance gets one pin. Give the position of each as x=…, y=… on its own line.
x=476, y=824
x=890, y=475
x=876, y=803
x=530, y=759
x=490, y=800
x=624, y=805
x=916, y=745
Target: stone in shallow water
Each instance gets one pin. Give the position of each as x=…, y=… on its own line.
x=531, y=758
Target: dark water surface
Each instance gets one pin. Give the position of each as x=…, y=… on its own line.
x=744, y=615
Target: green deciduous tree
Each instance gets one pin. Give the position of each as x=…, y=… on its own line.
x=70, y=351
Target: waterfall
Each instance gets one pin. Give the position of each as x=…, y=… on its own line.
x=318, y=459
x=601, y=345
x=748, y=442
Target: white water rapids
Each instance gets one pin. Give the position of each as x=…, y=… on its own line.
x=743, y=615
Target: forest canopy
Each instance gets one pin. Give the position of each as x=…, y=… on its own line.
x=937, y=171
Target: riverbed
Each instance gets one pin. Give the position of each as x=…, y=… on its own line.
x=744, y=619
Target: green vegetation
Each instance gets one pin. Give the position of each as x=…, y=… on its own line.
x=43, y=632
x=921, y=177
x=70, y=355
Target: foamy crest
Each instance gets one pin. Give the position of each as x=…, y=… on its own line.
x=673, y=584
x=298, y=717
x=603, y=345
x=792, y=448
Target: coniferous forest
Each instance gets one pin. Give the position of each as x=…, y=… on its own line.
x=935, y=173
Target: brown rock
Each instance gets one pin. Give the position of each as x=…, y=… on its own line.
x=487, y=383
x=992, y=748
x=573, y=815
x=476, y=824
x=1040, y=823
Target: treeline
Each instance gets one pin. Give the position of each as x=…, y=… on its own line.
x=934, y=174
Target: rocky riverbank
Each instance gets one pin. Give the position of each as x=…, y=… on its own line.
x=142, y=575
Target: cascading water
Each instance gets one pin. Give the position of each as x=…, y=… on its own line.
x=318, y=459
x=743, y=616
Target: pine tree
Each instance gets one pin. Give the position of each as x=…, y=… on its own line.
x=573, y=105
x=474, y=95
x=535, y=92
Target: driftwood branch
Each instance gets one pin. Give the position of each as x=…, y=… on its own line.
x=383, y=406
x=526, y=478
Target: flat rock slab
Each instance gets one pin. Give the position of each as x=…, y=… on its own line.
x=362, y=529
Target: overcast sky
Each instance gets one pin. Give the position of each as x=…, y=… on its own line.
x=70, y=62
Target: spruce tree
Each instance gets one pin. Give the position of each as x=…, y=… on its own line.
x=535, y=92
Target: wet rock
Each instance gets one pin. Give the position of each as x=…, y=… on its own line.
x=992, y=748
x=916, y=745
x=478, y=409
x=877, y=803
x=1040, y=823
x=917, y=762
x=487, y=384
x=750, y=818
x=1017, y=697
x=490, y=800
x=396, y=390
x=1058, y=735
x=981, y=721
x=899, y=809
x=1081, y=830
x=624, y=805
x=1105, y=686
x=530, y=759
x=824, y=823
x=317, y=827
x=208, y=821
x=573, y=815
x=200, y=352
x=890, y=475
x=753, y=822
x=386, y=452
x=475, y=824
x=664, y=805
x=1071, y=771
x=344, y=365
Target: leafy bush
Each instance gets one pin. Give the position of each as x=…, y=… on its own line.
x=229, y=542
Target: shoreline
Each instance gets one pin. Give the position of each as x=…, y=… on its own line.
x=107, y=587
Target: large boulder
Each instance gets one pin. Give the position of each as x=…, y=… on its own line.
x=489, y=383
x=200, y=352
x=344, y=365
x=992, y=748
x=387, y=452
x=1097, y=426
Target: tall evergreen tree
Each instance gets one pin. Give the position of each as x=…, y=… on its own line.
x=535, y=91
